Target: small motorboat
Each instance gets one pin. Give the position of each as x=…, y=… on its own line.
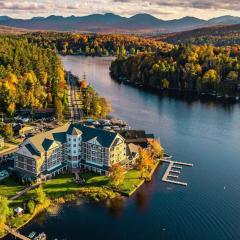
x=32, y=235
x=41, y=236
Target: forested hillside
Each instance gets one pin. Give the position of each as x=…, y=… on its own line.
x=30, y=76
x=185, y=68
x=12, y=30
x=218, y=36
x=95, y=44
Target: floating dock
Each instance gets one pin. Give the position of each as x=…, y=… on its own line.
x=173, y=176
x=170, y=170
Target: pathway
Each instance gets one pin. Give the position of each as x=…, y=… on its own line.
x=19, y=194
x=15, y=233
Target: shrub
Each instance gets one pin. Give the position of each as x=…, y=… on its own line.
x=31, y=206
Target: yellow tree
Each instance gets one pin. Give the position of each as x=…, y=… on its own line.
x=11, y=109
x=116, y=175
x=8, y=131
x=145, y=161
x=156, y=148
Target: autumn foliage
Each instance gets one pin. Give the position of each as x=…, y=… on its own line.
x=30, y=76
x=116, y=175
x=145, y=161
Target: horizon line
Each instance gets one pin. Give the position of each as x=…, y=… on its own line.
x=130, y=16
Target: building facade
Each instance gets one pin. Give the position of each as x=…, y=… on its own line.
x=70, y=147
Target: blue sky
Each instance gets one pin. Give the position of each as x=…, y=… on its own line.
x=165, y=9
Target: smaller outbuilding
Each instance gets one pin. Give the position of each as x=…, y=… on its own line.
x=18, y=211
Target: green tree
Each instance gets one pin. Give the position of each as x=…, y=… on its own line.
x=40, y=195
x=4, y=211
x=58, y=109
x=31, y=206
x=233, y=75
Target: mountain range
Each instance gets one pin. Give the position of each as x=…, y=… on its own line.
x=220, y=35
x=109, y=22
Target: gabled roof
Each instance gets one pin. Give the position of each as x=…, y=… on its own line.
x=30, y=148
x=47, y=143
x=76, y=132
x=105, y=138
x=43, y=141
x=18, y=210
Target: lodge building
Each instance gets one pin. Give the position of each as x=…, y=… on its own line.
x=69, y=147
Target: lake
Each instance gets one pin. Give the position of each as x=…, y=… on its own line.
x=206, y=134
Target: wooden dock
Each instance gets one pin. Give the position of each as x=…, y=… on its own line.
x=15, y=233
x=174, y=171
x=170, y=170
x=172, y=175
x=177, y=167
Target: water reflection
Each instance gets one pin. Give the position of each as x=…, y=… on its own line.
x=115, y=207
x=142, y=201
x=204, y=133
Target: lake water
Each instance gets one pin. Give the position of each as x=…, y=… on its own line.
x=205, y=134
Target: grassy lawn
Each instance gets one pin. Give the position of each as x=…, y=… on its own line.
x=9, y=188
x=60, y=185
x=94, y=180
x=131, y=180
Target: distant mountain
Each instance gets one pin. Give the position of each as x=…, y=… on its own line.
x=225, y=20
x=110, y=22
x=12, y=30
x=217, y=35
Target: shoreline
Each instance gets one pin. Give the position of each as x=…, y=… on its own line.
x=180, y=94
x=86, y=197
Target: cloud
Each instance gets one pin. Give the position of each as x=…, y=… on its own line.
x=24, y=5
x=198, y=4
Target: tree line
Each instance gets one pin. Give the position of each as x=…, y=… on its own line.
x=94, y=44
x=92, y=104
x=201, y=69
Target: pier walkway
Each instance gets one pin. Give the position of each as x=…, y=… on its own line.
x=16, y=234
x=170, y=170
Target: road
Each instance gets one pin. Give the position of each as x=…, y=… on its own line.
x=73, y=98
